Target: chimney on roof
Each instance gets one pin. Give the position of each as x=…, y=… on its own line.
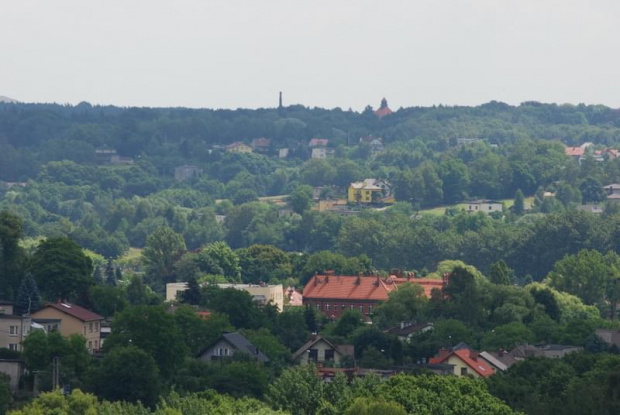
x=473, y=355
x=443, y=352
x=313, y=336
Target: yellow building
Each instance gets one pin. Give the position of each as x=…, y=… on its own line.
x=368, y=191
x=239, y=147
x=75, y=320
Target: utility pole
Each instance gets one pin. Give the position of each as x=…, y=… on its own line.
x=55, y=373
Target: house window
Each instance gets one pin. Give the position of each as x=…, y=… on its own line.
x=84, y=330
x=96, y=345
x=90, y=327
x=327, y=307
x=13, y=346
x=96, y=326
x=352, y=307
x=220, y=352
x=313, y=355
x=318, y=306
x=13, y=330
x=370, y=309
x=463, y=371
x=361, y=308
x=329, y=355
x=90, y=345
x=490, y=208
x=343, y=307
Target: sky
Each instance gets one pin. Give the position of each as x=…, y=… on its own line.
x=319, y=53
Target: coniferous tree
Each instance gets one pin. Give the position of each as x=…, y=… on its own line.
x=28, y=298
x=97, y=275
x=192, y=295
x=110, y=274
x=519, y=205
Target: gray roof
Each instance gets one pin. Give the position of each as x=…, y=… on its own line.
x=242, y=344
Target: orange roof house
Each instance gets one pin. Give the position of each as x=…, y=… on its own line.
x=333, y=294
x=465, y=361
x=574, y=152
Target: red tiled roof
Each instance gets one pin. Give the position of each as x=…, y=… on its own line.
x=427, y=283
x=343, y=287
x=318, y=142
x=76, y=311
x=382, y=112
x=261, y=142
x=574, y=151
x=348, y=288
x=236, y=144
x=470, y=358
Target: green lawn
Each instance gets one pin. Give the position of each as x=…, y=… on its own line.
x=440, y=210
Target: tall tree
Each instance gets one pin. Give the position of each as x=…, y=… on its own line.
x=519, y=205
x=62, y=270
x=110, y=273
x=11, y=254
x=28, y=299
x=163, y=248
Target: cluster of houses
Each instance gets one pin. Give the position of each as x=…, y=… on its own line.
x=580, y=153
x=328, y=293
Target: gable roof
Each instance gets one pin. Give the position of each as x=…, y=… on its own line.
x=346, y=287
x=75, y=311
x=318, y=142
x=311, y=343
x=242, y=344
x=236, y=144
x=574, y=151
x=343, y=287
x=405, y=329
x=470, y=358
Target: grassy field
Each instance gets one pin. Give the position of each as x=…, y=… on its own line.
x=440, y=210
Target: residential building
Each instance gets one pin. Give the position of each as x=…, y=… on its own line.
x=556, y=351
x=108, y=155
x=333, y=294
x=574, y=152
x=318, y=142
x=384, y=109
x=293, y=297
x=48, y=325
x=321, y=350
x=262, y=293
x=74, y=320
x=238, y=147
x=466, y=362
x=500, y=361
x=611, y=337
x=283, y=153
x=322, y=153
x=375, y=144
x=230, y=344
x=612, y=189
x=13, y=328
x=407, y=329
x=186, y=172
x=261, y=145
x=368, y=191
x=485, y=206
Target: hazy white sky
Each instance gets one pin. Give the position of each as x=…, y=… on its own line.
x=326, y=53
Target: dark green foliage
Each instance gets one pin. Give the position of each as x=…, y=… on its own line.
x=110, y=273
x=62, y=270
x=192, y=295
x=153, y=330
x=11, y=254
x=129, y=374
x=28, y=299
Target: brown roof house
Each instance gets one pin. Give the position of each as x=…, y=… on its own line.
x=320, y=350
x=229, y=345
x=75, y=320
x=466, y=362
